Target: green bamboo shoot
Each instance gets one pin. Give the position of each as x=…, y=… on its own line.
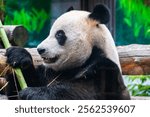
x=18, y=71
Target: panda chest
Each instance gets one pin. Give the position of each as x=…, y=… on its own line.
x=87, y=85
x=78, y=84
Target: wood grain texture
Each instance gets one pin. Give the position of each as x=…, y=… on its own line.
x=134, y=59
x=17, y=35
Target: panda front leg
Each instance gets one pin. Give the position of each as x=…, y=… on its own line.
x=19, y=57
x=41, y=93
x=61, y=91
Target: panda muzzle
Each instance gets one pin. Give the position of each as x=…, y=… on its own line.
x=50, y=60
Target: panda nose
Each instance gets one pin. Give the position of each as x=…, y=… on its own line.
x=40, y=50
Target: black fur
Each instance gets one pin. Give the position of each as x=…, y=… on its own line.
x=61, y=37
x=41, y=50
x=98, y=78
x=70, y=9
x=101, y=14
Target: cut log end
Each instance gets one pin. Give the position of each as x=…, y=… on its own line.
x=16, y=34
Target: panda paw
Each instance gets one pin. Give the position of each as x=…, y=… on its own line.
x=26, y=93
x=18, y=57
x=32, y=93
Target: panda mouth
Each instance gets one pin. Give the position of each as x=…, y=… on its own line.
x=50, y=60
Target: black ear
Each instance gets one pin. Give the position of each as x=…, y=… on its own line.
x=100, y=13
x=70, y=9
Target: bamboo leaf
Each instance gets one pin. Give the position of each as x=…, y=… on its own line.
x=128, y=22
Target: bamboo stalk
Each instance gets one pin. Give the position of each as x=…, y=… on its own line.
x=18, y=71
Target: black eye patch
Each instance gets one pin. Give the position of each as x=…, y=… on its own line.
x=61, y=37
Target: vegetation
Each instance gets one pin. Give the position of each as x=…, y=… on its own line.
x=33, y=15
x=133, y=24
x=29, y=19
x=139, y=85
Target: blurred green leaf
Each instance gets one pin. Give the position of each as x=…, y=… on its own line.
x=137, y=88
x=128, y=21
x=30, y=19
x=147, y=33
x=134, y=18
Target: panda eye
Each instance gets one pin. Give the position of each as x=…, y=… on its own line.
x=61, y=37
x=97, y=25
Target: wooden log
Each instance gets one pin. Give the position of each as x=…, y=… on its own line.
x=17, y=35
x=3, y=84
x=135, y=59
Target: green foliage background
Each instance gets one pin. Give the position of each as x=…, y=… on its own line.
x=132, y=22
x=138, y=85
x=133, y=26
x=34, y=15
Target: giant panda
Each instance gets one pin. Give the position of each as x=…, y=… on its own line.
x=80, y=61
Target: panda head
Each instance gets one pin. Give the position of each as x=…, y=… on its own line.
x=73, y=36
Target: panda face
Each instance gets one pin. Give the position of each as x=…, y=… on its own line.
x=73, y=36
x=69, y=43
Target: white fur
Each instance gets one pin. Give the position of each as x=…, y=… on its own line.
x=103, y=39
x=81, y=35
x=76, y=50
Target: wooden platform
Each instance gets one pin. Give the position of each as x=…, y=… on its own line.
x=134, y=59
